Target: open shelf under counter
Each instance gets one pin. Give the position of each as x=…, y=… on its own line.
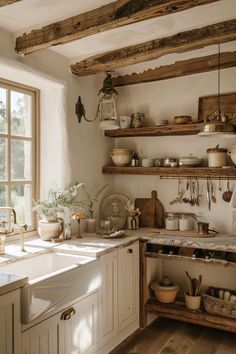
x=157, y=130
x=211, y=261
x=174, y=172
x=178, y=311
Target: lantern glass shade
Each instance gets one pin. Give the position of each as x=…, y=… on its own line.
x=108, y=114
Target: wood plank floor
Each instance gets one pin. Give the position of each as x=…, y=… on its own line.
x=165, y=336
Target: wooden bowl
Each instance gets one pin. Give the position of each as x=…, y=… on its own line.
x=182, y=119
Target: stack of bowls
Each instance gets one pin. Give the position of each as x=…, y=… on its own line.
x=121, y=157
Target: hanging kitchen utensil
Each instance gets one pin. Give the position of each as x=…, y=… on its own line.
x=213, y=198
x=227, y=195
x=219, y=187
x=208, y=194
x=179, y=198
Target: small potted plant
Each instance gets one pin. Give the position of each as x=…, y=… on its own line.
x=58, y=200
x=133, y=217
x=193, y=296
x=89, y=205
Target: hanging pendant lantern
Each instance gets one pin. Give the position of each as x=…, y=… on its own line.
x=106, y=106
x=218, y=123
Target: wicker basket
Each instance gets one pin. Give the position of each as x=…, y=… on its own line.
x=218, y=306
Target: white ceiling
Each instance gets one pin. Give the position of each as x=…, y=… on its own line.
x=27, y=14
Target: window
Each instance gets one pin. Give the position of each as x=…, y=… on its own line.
x=18, y=151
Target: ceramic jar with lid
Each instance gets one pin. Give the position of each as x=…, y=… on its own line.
x=232, y=153
x=185, y=222
x=172, y=221
x=217, y=156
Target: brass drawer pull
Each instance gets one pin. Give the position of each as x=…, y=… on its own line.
x=65, y=315
x=71, y=311
x=130, y=250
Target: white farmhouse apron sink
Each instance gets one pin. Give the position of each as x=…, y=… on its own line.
x=54, y=280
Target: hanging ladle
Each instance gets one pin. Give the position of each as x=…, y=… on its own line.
x=227, y=195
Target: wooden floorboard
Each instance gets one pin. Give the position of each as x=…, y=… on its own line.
x=166, y=336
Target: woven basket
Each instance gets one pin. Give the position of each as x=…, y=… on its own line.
x=218, y=306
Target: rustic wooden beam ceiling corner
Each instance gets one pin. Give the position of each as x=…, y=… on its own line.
x=7, y=2
x=181, y=42
x=116, y=14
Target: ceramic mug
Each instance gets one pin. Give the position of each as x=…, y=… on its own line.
x=125, y=122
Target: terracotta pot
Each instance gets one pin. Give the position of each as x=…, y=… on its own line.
x=165, y=294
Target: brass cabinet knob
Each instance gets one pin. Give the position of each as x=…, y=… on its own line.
x=130, y=250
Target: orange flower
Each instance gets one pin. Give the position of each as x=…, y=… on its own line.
x=79, y=215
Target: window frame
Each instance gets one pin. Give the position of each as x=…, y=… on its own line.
x=35, y=139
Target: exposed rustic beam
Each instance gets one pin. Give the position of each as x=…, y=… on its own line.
x=180, y=68
x=7, y=2
x=178, y=43
x=116, y=14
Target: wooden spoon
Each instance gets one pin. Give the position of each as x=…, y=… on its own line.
x=227, y=195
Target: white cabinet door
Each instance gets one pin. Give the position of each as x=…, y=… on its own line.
x=10, y=326
x=42, y=338
x=79, y=333
x=108, y=299
x=128, y=285
x=72, y=331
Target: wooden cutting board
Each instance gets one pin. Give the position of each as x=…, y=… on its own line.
x=207, y=105
x=152, y=211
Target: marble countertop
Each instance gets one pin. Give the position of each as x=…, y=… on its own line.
x=10, y=282
x=96, y=246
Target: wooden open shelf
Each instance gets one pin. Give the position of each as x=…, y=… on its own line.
x=161, y=130
x=178, y=311
x=211, y=261
x=176, y=172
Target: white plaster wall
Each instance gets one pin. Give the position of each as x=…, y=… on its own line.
x=166, y=99
x=72, y=151
x=69, y=152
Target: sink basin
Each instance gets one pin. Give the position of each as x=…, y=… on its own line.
x=55, y=279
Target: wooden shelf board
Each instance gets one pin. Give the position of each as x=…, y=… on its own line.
x=215, y=262
x=161, y=130
x=201, y=172
x=178, y=311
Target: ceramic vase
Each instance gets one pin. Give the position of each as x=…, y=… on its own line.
x=49, y=229
x=91, y=225
x=132, y=222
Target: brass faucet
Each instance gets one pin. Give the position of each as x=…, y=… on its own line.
x=4, y=233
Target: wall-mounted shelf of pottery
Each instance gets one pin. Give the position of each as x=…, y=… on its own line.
x=157, y=130
x=161, y=130
x=174, y=172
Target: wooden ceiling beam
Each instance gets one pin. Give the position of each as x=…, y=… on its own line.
x=151, y=50
x=180, y=68
x=116, y=14
x=7, y=2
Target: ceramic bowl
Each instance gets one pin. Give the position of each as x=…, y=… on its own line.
x=182, y=119
x=165, y=294
x=190, y=161
x=147, y=162
x=122, y=158
x=120, y=151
